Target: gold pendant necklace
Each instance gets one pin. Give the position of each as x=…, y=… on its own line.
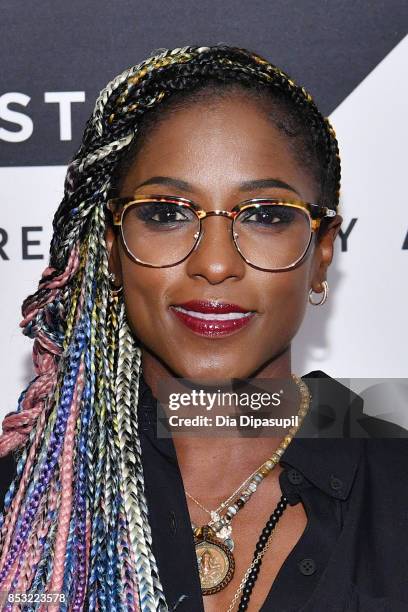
x=216, y=563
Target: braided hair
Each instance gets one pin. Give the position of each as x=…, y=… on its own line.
x=75, y=518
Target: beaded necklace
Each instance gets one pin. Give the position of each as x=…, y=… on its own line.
x=247, y=583
x=213, y=541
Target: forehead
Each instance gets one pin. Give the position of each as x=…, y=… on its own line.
x=217, y=144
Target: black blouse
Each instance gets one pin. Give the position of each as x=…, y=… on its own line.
x=353, y=554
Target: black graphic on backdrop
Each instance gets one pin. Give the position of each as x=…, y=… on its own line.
x=56, y=60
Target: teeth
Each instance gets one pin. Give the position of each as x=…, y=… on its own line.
x=225, y=316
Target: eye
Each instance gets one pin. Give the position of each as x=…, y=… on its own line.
x=268, y=215
x=162, y=213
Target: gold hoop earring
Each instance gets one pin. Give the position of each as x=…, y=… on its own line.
x=114, y=291
x=325, y=294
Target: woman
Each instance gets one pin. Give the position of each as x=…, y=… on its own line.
x=145, y=283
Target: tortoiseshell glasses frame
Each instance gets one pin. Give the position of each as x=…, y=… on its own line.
x=314, y=212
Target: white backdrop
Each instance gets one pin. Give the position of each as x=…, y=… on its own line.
x=362, y=329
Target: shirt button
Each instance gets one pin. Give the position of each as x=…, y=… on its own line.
x=295, y=477
x=307, y=567
x=335, y=483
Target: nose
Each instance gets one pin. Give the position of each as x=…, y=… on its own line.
x=215, y=257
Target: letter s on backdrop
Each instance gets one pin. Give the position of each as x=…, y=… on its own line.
x=13, y=116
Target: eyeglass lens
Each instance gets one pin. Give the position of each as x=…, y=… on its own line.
x=268, y=236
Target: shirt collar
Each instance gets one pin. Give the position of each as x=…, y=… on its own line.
x=324, y=461
x=320, y=459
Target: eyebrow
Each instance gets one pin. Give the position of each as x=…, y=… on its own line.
x=265, y=183
x=245, y=186
x=167, y=180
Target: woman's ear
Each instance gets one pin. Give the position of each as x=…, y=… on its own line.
x=329, y=237
x=324, y=252
x=112, y=246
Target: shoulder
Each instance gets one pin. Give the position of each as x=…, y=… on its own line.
x=387, y=454
x=350, y=410
x=383, y=469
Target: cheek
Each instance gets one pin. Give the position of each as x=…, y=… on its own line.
x=145, y=294
x=284, y=299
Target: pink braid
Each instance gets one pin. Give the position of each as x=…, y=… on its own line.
x=13, y=512
x=67, y=473
x=32, y=308
x=17, y=425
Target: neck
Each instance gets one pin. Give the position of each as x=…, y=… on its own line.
x=155, y=370
x=200, y=458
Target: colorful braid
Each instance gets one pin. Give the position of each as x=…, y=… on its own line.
x=75, y=517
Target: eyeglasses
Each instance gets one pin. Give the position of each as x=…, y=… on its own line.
x=271, y=234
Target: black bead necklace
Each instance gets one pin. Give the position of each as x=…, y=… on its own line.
x=263, y=539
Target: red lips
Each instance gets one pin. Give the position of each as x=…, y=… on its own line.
x=217, y=318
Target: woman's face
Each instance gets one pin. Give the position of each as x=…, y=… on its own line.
x=220, y=153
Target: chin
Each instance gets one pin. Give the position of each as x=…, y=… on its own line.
x=210, y=373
